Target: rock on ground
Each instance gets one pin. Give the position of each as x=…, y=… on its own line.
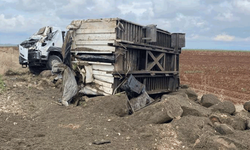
x=184, y=86
x=236, y=122
x=190, y=128
x=236, y=140
x=189, y=107
x=224, y=107
x=161, y=112
x=248, y=124
x=180, y=92
x=213, y=142
x=191, y=94
x=247, y=106
x=243, y=114
x=208, y=100
x=223, y=128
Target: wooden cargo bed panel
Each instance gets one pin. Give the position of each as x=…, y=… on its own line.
x=109, y=79
x=98, y=25
x=82, y=47
x=90, y=42
x=103, y=67
x=96, y=31
x=102, y=83
x=95, y=37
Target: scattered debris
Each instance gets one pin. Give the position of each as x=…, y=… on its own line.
x=70, y=87
x=101, y=142
x=133, y=86
x=137, y=94
x=141, y=101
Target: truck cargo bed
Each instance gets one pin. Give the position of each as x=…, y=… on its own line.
x=112, y=49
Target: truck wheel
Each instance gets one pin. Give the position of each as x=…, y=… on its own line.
x=35, y=70
x=53, y=59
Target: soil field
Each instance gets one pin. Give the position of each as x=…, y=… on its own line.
x=32, y=118
x=9, y=59
x=224, y=73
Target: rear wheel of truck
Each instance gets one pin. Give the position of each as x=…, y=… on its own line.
x=53, y=59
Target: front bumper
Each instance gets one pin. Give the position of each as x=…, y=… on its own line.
x=23, y=62
x=34, y=58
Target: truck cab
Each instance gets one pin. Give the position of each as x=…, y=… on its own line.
x=42, y=49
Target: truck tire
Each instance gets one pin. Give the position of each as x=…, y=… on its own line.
x=35, y=70
x=53, y=59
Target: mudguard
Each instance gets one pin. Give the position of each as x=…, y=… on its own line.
x=54, y=49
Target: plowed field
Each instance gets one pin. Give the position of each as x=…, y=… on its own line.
x=224, y=73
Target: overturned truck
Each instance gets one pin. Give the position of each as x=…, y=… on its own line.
x=104, y=53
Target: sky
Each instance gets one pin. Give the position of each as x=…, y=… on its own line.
x=208, y=24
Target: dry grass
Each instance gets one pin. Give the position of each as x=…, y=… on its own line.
x=9, y=59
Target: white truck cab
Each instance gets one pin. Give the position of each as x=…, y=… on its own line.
x=42, y=49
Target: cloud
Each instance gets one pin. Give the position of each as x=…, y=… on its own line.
x=247, y=39
x=242, y=6
x=226, y=16
x=84, y=9
x=224, y=37
x=139, y=9
x=201, y=20
x=10, y=24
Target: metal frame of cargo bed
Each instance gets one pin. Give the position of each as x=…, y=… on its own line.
x=156, y=65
